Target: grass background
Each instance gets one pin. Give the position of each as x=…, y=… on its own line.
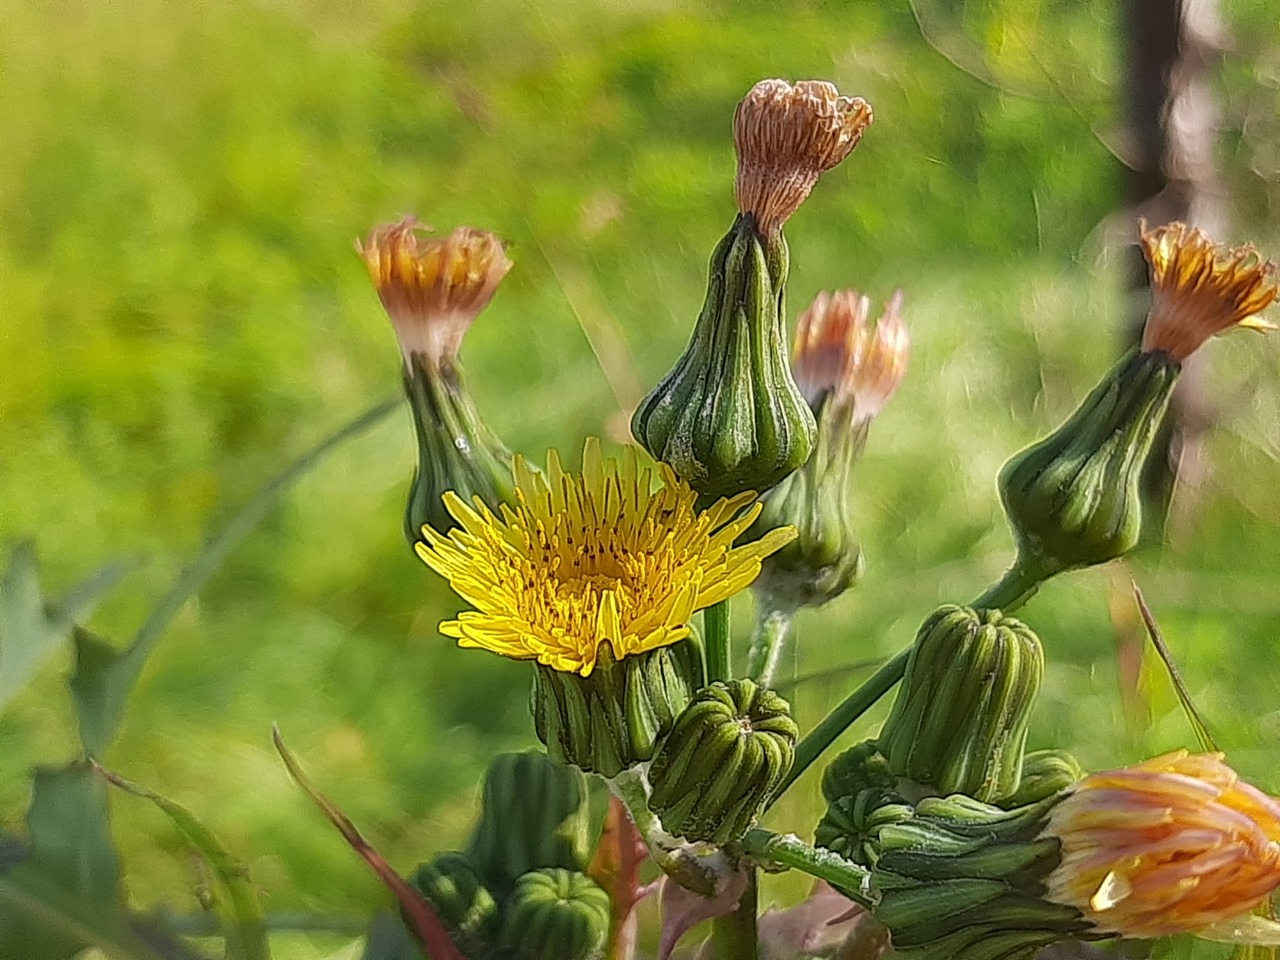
x=181, y=311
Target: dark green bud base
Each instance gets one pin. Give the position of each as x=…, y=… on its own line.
x=452, y=884
x=556, y=915
x=716, y=771
x=614, y=718
x=729, y=417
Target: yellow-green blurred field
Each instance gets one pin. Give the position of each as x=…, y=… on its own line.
x=182, y=312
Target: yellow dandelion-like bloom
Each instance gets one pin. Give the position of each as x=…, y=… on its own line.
x=1177, y=844
x=1199, y=289
x=581, y=560
x=840, y=356
x=433, y=288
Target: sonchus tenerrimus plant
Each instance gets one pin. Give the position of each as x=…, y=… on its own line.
x=953, y=842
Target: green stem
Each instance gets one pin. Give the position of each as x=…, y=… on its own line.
x=1018, y=585
x=788, y=850
x=715, y=624
x=734, y=935
x=838, y=720
x=767, y=644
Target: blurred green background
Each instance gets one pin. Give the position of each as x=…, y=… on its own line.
x=181, y=312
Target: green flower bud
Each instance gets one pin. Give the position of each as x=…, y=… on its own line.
x=847, y=370
x=853, y=821
x=534, y=813
x=959, y=723
x=451, y=884
x=861, y=767
x=614, y=718
x=1074, y=498
x=729, y=417
x=433, y=289
x=1044, y=774
x=961, y=880
x=717, y=769
x=556, y=915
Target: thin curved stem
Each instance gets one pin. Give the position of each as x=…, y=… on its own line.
x=715, y=626
x=788, y=850
x=767, y=645
x=1018, y=585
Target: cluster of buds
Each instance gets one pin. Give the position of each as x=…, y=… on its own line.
x=1074, y=498
x=847, y=370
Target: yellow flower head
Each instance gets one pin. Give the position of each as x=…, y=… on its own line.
x=433, y=288
x=1174, y=845
x=786, y=136
x=839, y=356
x=586, y=559
x=1199, y=289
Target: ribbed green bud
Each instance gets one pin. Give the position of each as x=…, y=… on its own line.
x=1045, y=773
x=959, y=723
x=853, y=822
x=534, y=813
x=451, y=884
x=456, y=451
x=961, y=880
x=1074, y=498
x=728, y=752
x=728, y=417
x=614, y=718
x=556, y=915
x=861, y=767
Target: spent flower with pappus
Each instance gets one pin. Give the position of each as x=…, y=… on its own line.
x=728, y=416
x=433, y=289
x=596, y=577
x=847, y=369
x=1075, y=498
x=1178, y=844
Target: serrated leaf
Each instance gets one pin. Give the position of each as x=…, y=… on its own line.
x=31, y=627
x=63, y=892
x=244, y=932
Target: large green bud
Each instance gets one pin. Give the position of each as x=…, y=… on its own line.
x=614, y=718
x=959, y=723
x=1074, y=498
x=729, y=417
x=451, y=883
x=433, y=289
x=534, y=813
x=1045, y=773
x=717, y=769
x=961, y=880
x=556, y=915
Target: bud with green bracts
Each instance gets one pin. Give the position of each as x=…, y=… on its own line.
x=456, y=451
x=1044, y=774
x=534, y=813
x=959, y=723
x=729, y=416
x=861, y=767
x=1074, y=498
x=451, y=884
x=853, y=821
x=556, y=915
x=613, y=719
x=962, y=880
x=717, y=769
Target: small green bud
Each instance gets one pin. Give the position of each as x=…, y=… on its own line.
x=1074, y=498
x=613, y=719
x=556, y=915
x=959, y=723
x=853, y=821
x=534, y=813
x=961, y=880
x=451, y=884
x=1044, y=774
x=861, y=767
x=433, y=289
x=729, y=417
x=718, y=768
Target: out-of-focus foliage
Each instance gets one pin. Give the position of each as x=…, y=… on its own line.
x=181, y=312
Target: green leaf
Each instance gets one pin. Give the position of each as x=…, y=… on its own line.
x=63, y=894
x=104, y=677
x=30, y=626
x=243, y=928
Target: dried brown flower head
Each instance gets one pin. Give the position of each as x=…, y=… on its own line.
x=1199, y=289
x=786, y=136
x=433, y=288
